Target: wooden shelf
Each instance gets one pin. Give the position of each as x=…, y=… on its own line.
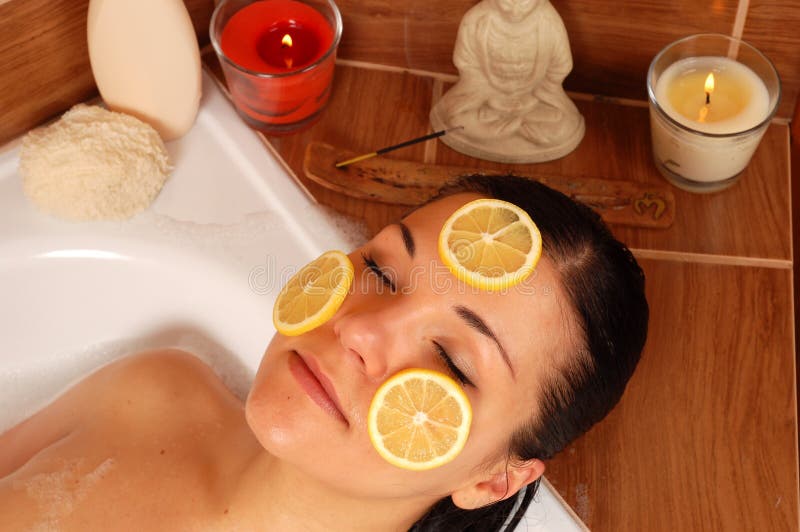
x=706, y=434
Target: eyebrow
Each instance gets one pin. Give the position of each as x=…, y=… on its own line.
x=475, y=321
x=408, y=239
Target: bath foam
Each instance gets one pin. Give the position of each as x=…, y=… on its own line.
x=233, y=244
x=354, y=232
x=57, y=493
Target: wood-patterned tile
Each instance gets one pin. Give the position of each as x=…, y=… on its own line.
x=705, y=436
x=771, y=27
x=414, y=34
x=45, y=62
x=613, y=43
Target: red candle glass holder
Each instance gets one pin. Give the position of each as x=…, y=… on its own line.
x=278, y=58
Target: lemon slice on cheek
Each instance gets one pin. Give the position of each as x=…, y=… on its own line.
x=314, y=294
x=419, y=419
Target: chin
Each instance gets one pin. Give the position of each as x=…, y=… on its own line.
x=272, y=408
x=294, y=439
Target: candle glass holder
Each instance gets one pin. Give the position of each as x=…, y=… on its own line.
x=274, y=91
x=708, y=157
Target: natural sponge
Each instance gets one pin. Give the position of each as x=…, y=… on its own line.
x=93, y=164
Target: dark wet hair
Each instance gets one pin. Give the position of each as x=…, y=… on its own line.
x=605, y=288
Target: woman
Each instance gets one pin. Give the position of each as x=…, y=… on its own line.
x=156, y=442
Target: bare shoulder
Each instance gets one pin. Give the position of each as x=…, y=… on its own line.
x=164, y=388
x=155, y=371
x=152, y=384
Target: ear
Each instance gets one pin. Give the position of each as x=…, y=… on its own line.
x=500, y=484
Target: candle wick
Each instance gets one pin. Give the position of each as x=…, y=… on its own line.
x=708, y=98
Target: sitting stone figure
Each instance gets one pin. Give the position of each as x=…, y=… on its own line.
x=512, y=56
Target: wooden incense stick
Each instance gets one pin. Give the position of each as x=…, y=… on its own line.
x=387, y=149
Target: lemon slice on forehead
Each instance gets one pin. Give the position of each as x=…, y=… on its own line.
x=419, y=419
x=490, y=244
x=314, y=294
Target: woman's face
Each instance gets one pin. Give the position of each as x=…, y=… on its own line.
x=404, y=302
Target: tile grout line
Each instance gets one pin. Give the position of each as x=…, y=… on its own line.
x=738, y=27
x=741, y=17
x=708, y=258
x=390, y=68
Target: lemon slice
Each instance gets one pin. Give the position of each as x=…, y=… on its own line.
x=490, y=244
x=313, y=294
x=419, y=419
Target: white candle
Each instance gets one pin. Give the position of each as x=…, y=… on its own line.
x=738, y=99
x=738, y=102
x=711, y=100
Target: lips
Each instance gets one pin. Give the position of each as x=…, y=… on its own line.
x=316, y=384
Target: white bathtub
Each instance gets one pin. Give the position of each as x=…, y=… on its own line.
x=199, y=270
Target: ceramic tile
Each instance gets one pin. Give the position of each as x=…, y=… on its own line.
x=704, y=437
x=771, y=27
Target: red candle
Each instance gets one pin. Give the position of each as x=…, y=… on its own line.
x=278, y=57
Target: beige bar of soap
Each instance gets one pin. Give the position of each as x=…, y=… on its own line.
x=146, y=61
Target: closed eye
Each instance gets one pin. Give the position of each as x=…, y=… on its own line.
x=378, y=271
x=451, y=366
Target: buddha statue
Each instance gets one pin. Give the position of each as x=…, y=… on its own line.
x=512, y=57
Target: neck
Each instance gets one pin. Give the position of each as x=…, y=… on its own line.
x=268, y=493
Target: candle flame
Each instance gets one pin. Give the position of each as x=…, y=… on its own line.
x=286, y=42
x=710, y=83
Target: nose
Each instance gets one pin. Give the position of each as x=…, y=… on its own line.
x=364, y=339
x=379, y=339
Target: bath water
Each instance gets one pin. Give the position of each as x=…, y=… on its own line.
x=30, y=383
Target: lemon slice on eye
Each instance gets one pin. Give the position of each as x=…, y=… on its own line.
x=490, y=244
x=314, y=294
x=419, y=419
